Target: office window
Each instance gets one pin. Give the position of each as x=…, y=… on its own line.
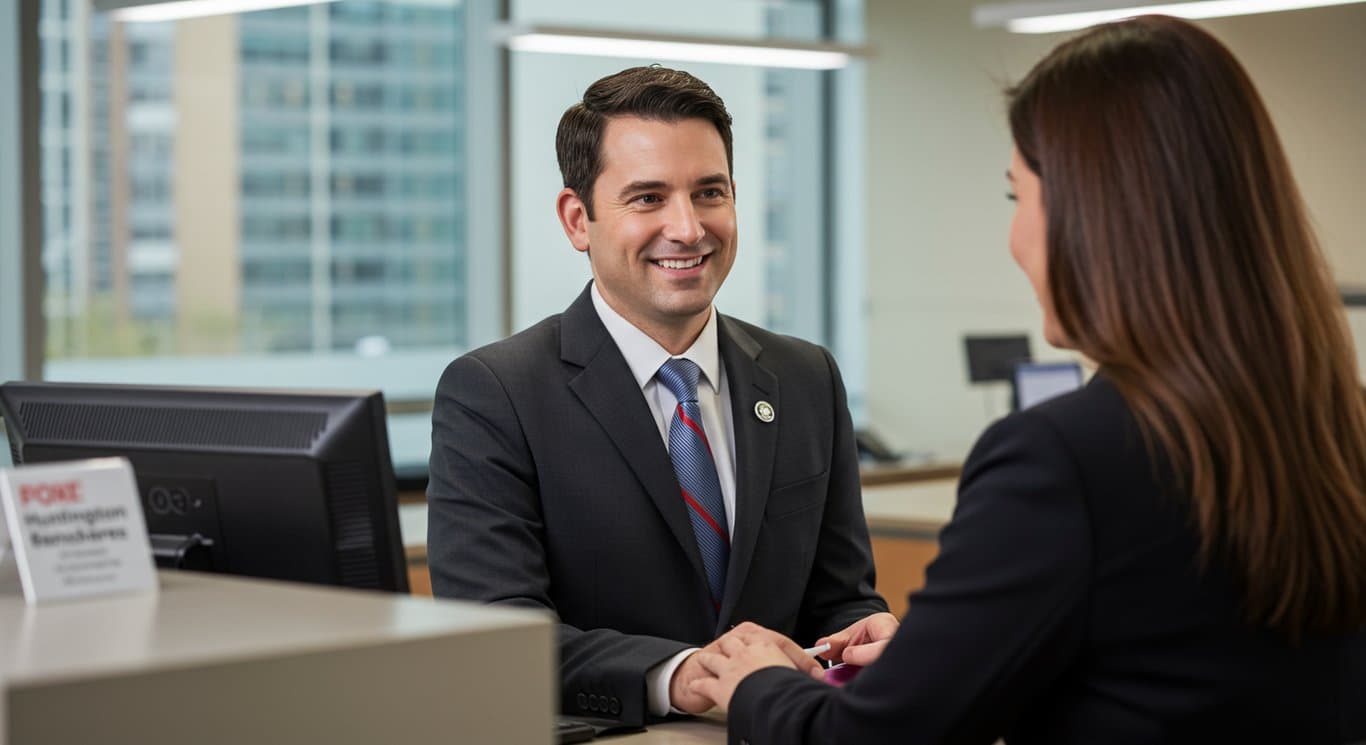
x=315, y=196
x=779, y=133
x=232, y=200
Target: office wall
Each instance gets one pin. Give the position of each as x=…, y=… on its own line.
x=939, y=146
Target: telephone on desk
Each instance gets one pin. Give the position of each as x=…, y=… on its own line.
x=871, y=447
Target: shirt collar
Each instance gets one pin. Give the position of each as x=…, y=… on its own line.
x=644, y=355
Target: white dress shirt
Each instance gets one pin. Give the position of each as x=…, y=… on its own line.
x=645, y=356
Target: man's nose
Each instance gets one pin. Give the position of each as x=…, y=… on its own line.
x=682, y=224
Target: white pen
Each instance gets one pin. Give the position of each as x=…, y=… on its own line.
x=819, y=649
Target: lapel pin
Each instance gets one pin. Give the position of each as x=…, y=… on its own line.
x=764, y=410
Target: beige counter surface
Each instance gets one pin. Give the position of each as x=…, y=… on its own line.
x=200, y=619
x=916, y=510
x=221, y=660
x=708, y=729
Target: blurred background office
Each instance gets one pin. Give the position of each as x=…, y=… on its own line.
x=349, y=194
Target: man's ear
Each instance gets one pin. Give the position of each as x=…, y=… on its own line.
x=573, y=214
x=732, y=190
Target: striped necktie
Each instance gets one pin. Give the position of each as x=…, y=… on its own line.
x=695, y=467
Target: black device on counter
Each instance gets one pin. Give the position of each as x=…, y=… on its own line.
x=291, y=485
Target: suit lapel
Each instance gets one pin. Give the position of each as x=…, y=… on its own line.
x=607, y=389
x=756, y=443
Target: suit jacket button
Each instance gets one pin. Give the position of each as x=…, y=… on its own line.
x=582, y=701
x=614, y=706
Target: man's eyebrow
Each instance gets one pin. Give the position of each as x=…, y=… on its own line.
x=715, y=178
x=637, y=186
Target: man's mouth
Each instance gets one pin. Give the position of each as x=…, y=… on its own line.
x=680, y=263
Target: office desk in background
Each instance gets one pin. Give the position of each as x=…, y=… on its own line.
x=904, y=518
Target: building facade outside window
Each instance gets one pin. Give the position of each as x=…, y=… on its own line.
x=304, y=197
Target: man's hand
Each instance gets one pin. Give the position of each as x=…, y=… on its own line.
x=683, y=694
x=862, y=641
x=738, y=655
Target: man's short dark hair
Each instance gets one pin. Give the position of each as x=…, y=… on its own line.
x=647, y=92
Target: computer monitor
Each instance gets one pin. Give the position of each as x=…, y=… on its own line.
x=1036, y=382
x=291, y=485
x=992, y=358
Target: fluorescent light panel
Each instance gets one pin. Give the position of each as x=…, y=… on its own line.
x=1033, y=22
x=681, y=51
x=182, y=9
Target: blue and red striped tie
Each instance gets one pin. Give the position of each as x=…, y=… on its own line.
x=695, y=467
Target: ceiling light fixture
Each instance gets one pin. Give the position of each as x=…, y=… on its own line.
x=178, y=10
x=1050, y=17
x=596, y=43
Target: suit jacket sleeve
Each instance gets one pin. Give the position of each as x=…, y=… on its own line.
x=1001, y=615
x=486, y=540
x=841, y=590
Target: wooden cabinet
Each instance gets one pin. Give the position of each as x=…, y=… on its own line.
x=901, y=564
x=419, y=579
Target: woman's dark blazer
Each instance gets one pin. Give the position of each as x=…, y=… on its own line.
x=1066, y=607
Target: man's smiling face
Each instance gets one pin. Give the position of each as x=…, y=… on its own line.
x=663, y=238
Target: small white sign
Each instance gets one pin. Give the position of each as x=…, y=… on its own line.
x=76, y=529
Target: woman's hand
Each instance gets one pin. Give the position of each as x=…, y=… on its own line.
x=861, y=642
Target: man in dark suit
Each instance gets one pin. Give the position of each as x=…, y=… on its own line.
x=650, y=471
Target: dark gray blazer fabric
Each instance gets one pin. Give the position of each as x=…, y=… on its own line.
x=1065, y=607
x=552, y=488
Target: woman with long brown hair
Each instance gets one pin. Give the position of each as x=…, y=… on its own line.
x=1176, y=552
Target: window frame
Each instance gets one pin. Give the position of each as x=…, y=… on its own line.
x=22, y=328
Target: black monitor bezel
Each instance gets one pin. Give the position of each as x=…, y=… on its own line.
x=343, y=408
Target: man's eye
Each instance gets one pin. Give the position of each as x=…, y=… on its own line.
x=649, y=199
x=712, y=193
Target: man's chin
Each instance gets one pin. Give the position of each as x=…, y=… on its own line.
x=682, y=310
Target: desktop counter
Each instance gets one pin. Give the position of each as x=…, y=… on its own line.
x=213, y=659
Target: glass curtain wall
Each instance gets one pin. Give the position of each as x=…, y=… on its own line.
x=274, y=198
x=315, y=196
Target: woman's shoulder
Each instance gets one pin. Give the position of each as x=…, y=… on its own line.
x=1093, y=409
x=1093, y=416
x=1090, y=432
x=1093, y=412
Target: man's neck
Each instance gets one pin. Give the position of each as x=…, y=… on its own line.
x=675, y=335
x=676, y=339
